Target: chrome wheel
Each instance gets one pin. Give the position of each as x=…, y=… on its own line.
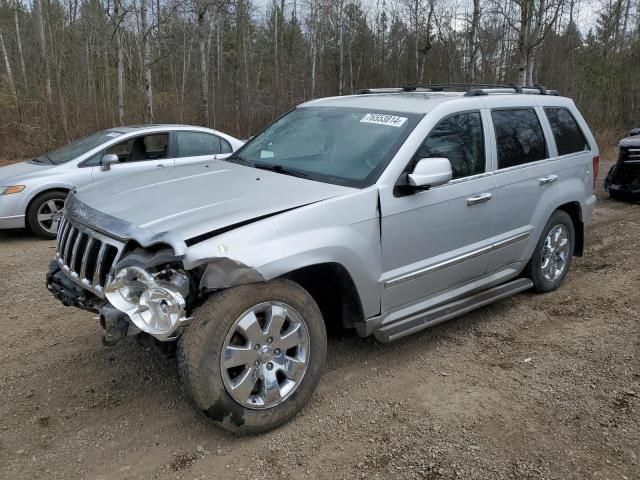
x=555, y=253
x=265, y=355
x=50, y=214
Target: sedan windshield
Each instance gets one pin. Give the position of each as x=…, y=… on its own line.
x=347, y=146
x=77, y=148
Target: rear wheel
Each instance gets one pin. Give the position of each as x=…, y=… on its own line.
x=253, y=355
x=45, y=214
x=551, y=259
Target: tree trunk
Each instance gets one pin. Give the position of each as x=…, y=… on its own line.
x=340, y=48
x=276, y=73
x=314, y=44
x=7, y=66
x=19, y=45
x=531, y=62
x=523, y=44
x=119, y=62
x=204, y=82
x=473, y=44
x=37, y=6
x=146, y=62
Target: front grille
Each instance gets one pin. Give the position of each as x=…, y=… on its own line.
x=86, y=256
x=629, y=153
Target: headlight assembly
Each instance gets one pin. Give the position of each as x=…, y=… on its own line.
x=11, y=189
x=155, y=306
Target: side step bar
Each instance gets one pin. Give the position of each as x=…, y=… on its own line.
x=440, y=314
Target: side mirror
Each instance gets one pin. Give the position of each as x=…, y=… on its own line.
x=107, y=161
x=430, y=172
x=634, y=132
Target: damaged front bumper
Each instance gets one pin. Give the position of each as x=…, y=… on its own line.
x=115, y=324
x=158, y=309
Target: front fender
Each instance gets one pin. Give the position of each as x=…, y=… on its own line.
x=343, y=230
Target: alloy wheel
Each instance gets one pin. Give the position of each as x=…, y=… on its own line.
x=265, y=355
x=50, y=214
x=555, y=253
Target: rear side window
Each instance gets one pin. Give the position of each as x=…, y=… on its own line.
x=460, y=139
x=566, y=132
x=519, y=137
x=195, y=144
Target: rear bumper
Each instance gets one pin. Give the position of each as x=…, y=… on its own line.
x=587, y=208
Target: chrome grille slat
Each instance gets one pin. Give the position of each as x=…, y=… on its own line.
x=99, y=266
x=74, y=251
x=86, y=256
x=63, y=237
x=67, y=249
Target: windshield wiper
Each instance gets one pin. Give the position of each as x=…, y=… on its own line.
x=235, y=158
x=280, y=169
x=43, y=159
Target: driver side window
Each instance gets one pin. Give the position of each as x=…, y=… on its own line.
x=138, y=149
x=460, y=139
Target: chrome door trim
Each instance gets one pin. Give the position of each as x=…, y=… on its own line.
x=407, y=277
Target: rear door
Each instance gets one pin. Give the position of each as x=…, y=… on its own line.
x=137, y=154
x=522, y=175
x=195, y=147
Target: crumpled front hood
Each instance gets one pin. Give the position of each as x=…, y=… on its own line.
x=23, y=171
x=195, y=200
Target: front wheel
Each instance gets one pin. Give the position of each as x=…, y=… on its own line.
x=45, y=214
x=551, y=259
x=253, y=355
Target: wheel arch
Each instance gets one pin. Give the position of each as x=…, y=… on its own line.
x=335, y=292
x=39, y=194
x=574, y=210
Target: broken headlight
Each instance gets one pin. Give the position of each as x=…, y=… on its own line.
x=155, y=303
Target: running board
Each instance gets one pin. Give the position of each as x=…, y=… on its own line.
x=440, y=314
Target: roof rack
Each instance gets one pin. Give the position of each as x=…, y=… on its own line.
x=470, y=89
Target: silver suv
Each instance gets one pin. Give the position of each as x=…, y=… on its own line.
x=387, y=211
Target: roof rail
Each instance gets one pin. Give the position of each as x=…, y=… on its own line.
x=470, y=89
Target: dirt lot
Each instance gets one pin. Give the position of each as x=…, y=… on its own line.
x=531, y=387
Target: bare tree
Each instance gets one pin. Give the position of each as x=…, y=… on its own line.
x=37, y=6
x=145, y=32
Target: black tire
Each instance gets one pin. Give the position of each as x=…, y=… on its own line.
x=533, y=270
x=34, y=207
x=199, y=355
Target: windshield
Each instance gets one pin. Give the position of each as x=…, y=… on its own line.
x=77, y=148
x=347, y=146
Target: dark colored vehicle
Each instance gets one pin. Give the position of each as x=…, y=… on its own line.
x=623, y=180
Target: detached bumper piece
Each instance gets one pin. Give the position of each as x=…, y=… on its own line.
x=68, y=292
x=623, y=180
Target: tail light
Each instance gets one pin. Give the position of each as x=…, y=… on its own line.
x=596, y=166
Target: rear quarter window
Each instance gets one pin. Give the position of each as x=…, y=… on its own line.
x=566, y=131
x=519, y=137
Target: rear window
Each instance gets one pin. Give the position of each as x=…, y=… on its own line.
x=195, y=144
x=519, y=137
x=566, y=132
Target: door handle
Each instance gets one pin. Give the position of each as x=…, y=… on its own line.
x=160, y=166
x=480, y=198
x=548, y=179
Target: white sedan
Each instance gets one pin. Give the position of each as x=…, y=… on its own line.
x=32, y=193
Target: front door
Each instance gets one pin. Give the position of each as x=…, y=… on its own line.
x=437, y=239
x=137, y=154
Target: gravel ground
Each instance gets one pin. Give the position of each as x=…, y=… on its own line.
x=531, y=387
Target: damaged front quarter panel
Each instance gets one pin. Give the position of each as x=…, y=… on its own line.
x=224, y=272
